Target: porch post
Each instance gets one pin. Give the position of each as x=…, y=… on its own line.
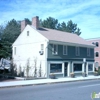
x=83, y=67
x=93, y=67
x=68, y=69
x=72, y=67
x=63, y=69
x=87, y=69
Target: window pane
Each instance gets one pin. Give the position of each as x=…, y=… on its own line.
x=27, y=33
x=14, y=50
x=97, y=44
x=90, y=67
x=96, y=64
x=77, y=67
x=54, y=49
x=42, y=46
x=55, y=68
x=97, y=54
x=65, y=50
x=77, y=51
x=88, y=51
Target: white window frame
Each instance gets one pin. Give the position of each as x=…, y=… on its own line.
x=65, y=51
x=88, y=51
x=56, y=49
x=42, y=47
x=57, y=72
x=14, y=50
x=77, y=51
x=27, y=33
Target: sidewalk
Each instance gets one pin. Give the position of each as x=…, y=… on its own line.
x=44, y=81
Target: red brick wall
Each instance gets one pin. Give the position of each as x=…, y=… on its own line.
x=97, y=49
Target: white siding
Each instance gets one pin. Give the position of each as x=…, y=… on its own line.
x=28, y=47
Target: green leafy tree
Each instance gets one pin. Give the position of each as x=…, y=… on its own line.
x=8, y=36
x=11, y=31
x=5, y=49
x=53, y=24
x=1, y=31
x=28, y=21
x=49, y=23
x=63, y=26
x=72, y=28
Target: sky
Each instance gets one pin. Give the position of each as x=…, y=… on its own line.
x=85, y=13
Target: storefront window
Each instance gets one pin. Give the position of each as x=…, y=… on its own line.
x=90, y=67
x=55, y=68
x=77, y=67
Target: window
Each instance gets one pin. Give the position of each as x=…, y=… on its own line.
x=64, y=50
x=55, y=49
x=93, y=43
x=90, y=67
x=96, y=64
x=27, y=33
x=97, y=54
x=88, y=51
x=42, y=47
x=55, y=68
x=97, y=44
x=77, y=51
x=77, y=67
x=14, y=50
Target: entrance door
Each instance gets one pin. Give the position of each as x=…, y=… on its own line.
x=65, y=68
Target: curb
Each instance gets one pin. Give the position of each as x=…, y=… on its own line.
x=52, y=82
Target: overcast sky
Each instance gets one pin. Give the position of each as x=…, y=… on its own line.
x=86, y=13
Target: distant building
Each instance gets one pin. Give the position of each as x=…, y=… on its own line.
x=96, y=42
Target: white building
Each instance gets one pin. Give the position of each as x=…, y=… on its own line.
x=55, y=51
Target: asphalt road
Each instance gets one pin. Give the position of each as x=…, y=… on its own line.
x=80, y=90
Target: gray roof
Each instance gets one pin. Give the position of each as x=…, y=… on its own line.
x=56, y=35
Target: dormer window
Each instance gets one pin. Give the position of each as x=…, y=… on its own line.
x=27, y=33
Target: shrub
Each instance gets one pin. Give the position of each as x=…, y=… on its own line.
x=99, y=70
x=52, y=76
x=72, y=75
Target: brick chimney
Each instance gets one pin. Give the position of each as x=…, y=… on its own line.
x=35, y=22
x=23, y=25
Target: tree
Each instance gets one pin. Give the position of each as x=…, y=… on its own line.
x=11, y=31
x=28, y=21
x=63, y=26
x=1, y=31
x=5, y=49
x=52, y=23
x=72, y=28
x=8, y=36
x=49, y=23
